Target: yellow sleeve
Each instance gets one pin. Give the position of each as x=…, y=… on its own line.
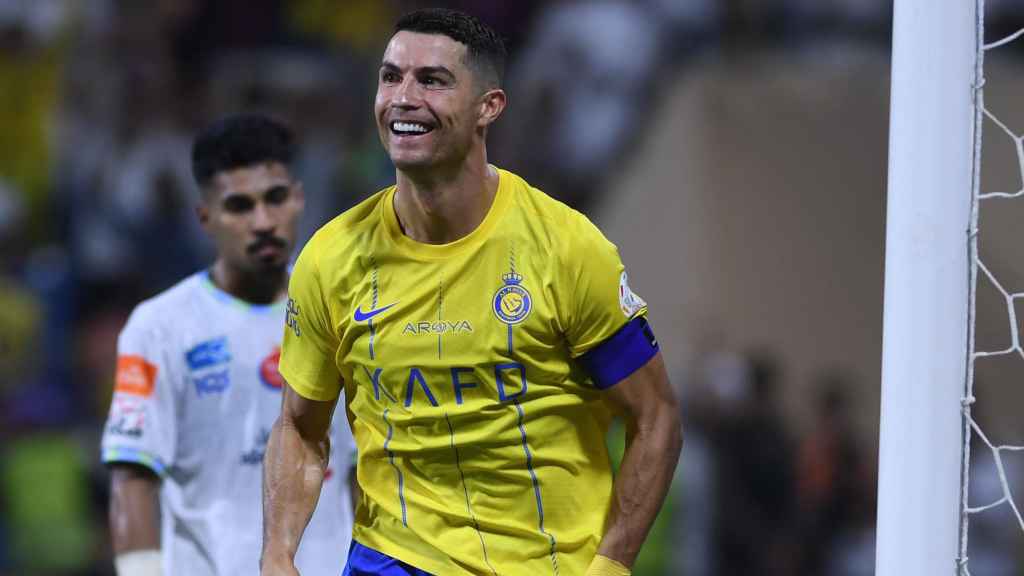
x=600, y=302
x=310, y=341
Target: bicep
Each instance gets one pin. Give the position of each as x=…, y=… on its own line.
x=311, y=418
x=645, y=392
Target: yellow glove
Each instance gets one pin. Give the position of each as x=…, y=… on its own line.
x=604, y=566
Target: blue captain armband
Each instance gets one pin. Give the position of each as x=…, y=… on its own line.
x=620, y=356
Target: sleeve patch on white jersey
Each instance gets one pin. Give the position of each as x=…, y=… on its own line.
x=135, y=376
x=127, y=416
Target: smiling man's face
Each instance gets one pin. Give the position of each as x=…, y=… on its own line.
x=428, y=106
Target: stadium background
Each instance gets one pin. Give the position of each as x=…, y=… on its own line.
x=735, y=150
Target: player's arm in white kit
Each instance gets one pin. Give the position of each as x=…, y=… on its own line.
x=135, y=520
x=137, y=445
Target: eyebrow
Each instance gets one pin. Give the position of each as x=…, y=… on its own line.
x=237, y=200
x=390, y=66
x=258, y=193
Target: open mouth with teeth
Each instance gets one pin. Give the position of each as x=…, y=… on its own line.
x=399, y=128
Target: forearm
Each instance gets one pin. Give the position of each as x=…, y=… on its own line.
x=134, y=520
x=293, y=474
x=134, y=509
x=649, y=461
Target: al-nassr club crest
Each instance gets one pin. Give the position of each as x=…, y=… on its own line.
x=512, y=303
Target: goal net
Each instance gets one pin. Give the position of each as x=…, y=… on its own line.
x=952, y=349
x=989, y=478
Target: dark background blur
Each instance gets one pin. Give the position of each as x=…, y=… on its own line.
x=735, y=150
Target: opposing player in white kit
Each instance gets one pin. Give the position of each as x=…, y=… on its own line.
x=197, y=388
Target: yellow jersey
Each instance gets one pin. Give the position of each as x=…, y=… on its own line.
x=480, y=433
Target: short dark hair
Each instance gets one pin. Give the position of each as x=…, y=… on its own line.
x=239, y=141
x=485, y=49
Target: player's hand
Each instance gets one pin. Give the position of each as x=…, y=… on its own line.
x=278, y=566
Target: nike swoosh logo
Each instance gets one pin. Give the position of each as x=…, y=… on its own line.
x=361, y=316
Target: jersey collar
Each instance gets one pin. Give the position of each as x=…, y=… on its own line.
x=440, y=251
x=237, y=303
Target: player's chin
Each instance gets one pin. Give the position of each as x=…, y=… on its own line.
x=410, y=162
x=270, y=262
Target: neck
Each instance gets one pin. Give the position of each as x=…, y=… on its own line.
x=442, y=206
x=261, y=288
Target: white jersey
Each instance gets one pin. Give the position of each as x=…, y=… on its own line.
x=196, y=395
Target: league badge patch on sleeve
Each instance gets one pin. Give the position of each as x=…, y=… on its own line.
x=629, y=302
x=127, y=417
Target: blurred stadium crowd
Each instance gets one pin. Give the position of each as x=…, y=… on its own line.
x=98, y=104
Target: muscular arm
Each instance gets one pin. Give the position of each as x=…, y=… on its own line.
x=134, y=508
x=293, y=473
x=653, y=441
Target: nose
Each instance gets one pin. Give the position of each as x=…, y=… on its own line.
x=262, y=220
x=406, y=94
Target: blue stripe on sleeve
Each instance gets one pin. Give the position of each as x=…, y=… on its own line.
x=620, y=356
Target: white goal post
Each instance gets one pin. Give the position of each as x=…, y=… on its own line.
x=932, y=159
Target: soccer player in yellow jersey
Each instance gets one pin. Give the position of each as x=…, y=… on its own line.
x=484, y=335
